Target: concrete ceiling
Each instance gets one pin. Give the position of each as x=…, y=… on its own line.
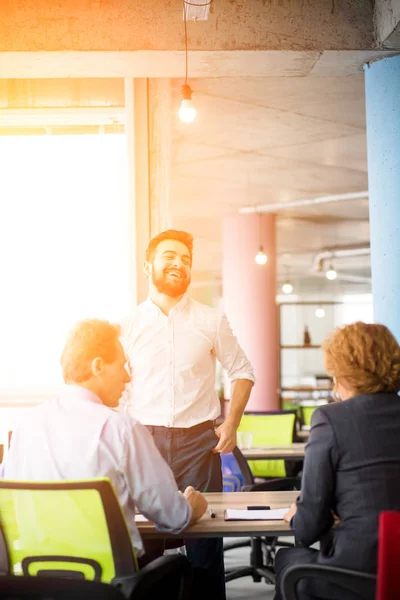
x=271, y=140
x=279, y=91
x=257, y=141
x=289, y=126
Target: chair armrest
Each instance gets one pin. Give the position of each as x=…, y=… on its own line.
x=171, y=572
x=363, y=584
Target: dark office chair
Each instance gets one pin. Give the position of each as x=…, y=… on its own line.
x=384, y=586
x=55, y=588
x=362, y=584
x=262, y=550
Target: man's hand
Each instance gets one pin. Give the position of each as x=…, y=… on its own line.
x=227, y=438
x=290, y=513
x=197, y=502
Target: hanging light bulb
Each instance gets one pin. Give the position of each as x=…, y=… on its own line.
x=331, y=273
x=261, y=257
x=187, y=112
x=287, y=287
x=320, y=313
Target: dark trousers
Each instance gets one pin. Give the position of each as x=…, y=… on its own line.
x=189, y=454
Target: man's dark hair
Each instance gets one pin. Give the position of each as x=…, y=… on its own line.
x=170, y=234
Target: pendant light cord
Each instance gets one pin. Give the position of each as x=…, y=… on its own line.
x=187, y=3
x=186, y=41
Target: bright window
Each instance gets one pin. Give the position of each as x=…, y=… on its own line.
x=64, y=247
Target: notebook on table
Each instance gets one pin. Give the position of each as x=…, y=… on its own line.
x=274, y=514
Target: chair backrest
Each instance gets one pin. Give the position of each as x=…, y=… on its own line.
x=306, y=412
x=72, y=528
x=235, y=471
x=269, y=429
x=231, y=483
x=388, y=582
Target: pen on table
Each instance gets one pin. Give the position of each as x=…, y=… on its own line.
x=212, y=513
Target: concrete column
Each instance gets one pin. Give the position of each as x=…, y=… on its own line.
x=138, y=182
x=249, y=300
x=382, y=90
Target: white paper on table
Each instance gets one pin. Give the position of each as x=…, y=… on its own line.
x=274, y=514
x=139, y=518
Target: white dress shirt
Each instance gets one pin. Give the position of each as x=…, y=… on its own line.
x=173, y=362
x=76, y=437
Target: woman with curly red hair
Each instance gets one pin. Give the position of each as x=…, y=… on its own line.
x=352, y=461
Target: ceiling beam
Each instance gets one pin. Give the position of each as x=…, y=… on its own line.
x=272, y=208
x=39, y=117
x=171, y=63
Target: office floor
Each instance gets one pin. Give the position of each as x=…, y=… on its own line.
x=245, y=587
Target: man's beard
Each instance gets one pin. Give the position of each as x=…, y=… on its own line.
x=170, y=286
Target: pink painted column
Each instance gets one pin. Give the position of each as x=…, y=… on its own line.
x=249, y=300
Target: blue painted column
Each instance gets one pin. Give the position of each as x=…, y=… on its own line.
x=382, y=91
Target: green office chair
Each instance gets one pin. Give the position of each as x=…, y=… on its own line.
x=273, y=428
x=76, y=529
x=306, y=412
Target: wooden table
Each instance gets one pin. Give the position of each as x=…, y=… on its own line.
x=218, y=527
x=293, y=452
x=303, y=434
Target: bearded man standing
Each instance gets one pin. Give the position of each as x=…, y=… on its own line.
x=173, y=342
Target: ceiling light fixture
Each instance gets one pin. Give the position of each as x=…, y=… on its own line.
x=331, y=274
x=197, y=10
x=287, y=287
x=320, y=312
x=261, y=257
x=187, y=112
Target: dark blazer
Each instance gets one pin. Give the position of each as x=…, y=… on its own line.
x=351, y=467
